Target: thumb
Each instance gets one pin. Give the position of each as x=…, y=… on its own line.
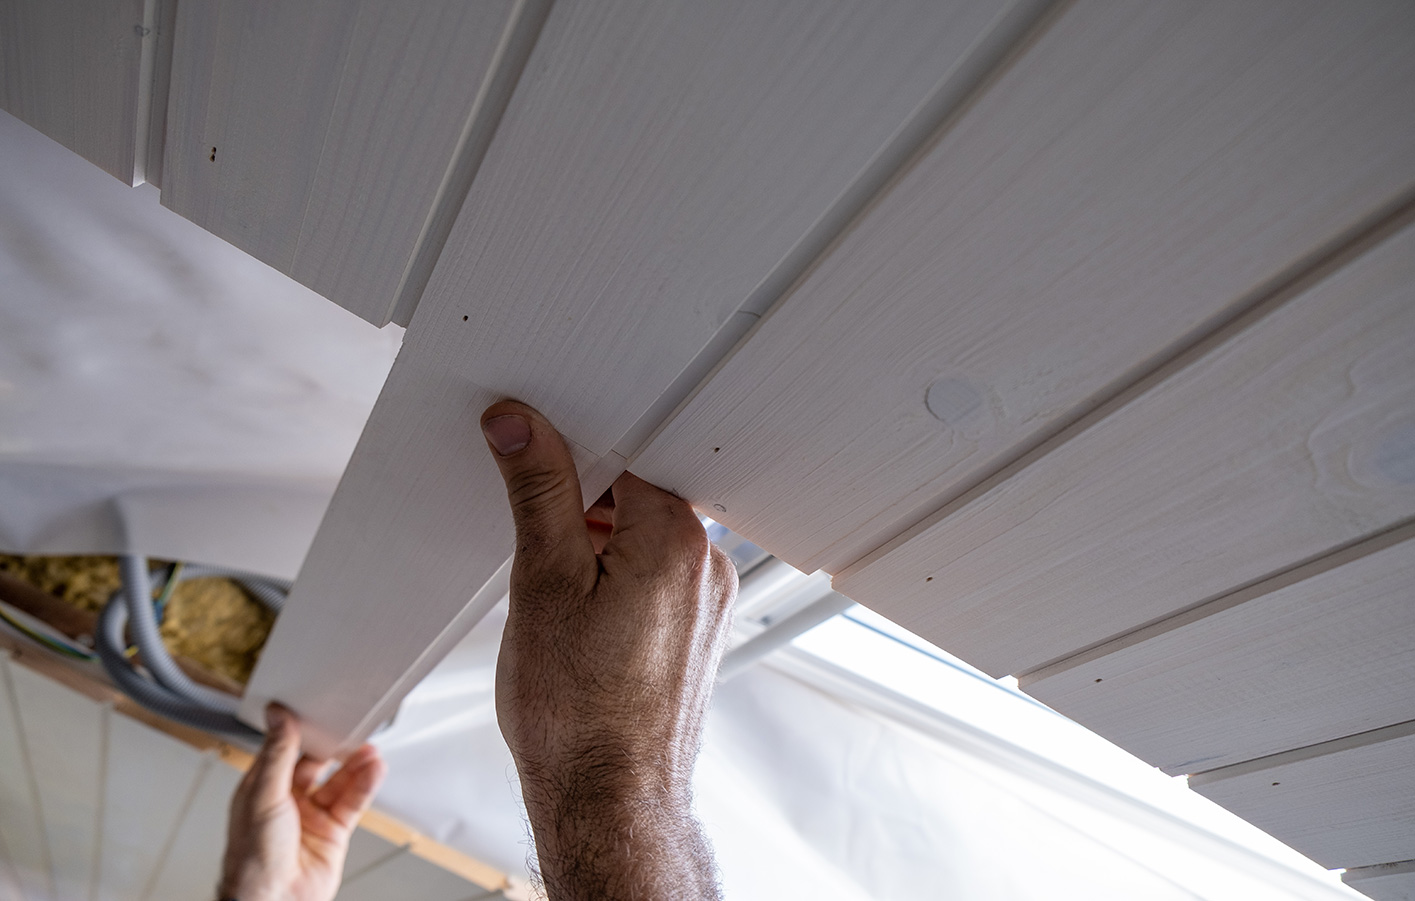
x=273, y=772
x=541, y=484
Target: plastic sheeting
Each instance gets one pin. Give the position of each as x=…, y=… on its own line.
x=163, y=393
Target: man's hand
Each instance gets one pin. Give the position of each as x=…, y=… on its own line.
x=607, y=665
x=287, y=842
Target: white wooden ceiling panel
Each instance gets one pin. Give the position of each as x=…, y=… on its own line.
x=1387, y=882
x=1294, y=663
x=21, y=828
x=658, y=161
x=1133, y=178
x=65, y=735
x=1343, y=804
x=1284, y=437
x=75, y=70
x=409, y=876
x=319, y=136
x=655, y=164
x=367, y=851
x=148, y=779
x=191, y=863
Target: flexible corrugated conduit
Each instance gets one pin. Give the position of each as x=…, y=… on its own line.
x=169, y=691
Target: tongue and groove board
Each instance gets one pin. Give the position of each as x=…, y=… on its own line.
x=1269, y=445
x=1324, y=651
x=82, y=72
x=328, y=138
x=656, y=164
x=1347, y=803
x=65, y=736
x=1142, y=172
x=1385, y=882
x=21, y=825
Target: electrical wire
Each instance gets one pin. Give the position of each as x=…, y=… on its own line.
x=53, y=644
x=165, y=689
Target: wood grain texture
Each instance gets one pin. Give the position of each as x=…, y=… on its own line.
x=654, y=164
x=21, y=826
x=657, y=162
x=1135, y=176
x=1341, y=805
x=333, y=126
x=408, y=876
x=1281, y=438
x=73, y=70
x=1295, y=664
x=64, y=739
x=1386, y=882
x=148, y=779
x=191, y=862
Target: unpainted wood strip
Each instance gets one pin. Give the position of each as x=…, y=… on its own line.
x=62, y=732
x=1211, y=475
x=656, y=161
x=1342, y=803
x=1306, y=662
x=1106, y=202
x=21, y=826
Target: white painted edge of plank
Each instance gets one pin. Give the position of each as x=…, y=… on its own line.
x=1395, y=868
x=1310, y=752
x=1300, y=572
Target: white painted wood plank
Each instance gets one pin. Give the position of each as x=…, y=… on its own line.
x=64, y=738
x=148, y=779
x=9, y=881
x=1296, y=663
x=655, y=163
x=1388, y=882
x=1284, y=437
x=191, y=864
x=409, y=876
x=367, y=851
x=1347, y=807
x=73, y=69
x=1140, y=171
x=21, y=828
x=318, y=136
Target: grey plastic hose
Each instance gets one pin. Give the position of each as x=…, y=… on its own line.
x=170, y=692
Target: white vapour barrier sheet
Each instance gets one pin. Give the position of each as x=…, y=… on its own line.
x=163, y=393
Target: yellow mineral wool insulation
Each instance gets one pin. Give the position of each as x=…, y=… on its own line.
x=211, y=621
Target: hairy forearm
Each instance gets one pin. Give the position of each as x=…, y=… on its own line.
x=596, y=839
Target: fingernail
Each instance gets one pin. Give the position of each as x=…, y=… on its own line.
x=275, y=717
x=507, y=434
